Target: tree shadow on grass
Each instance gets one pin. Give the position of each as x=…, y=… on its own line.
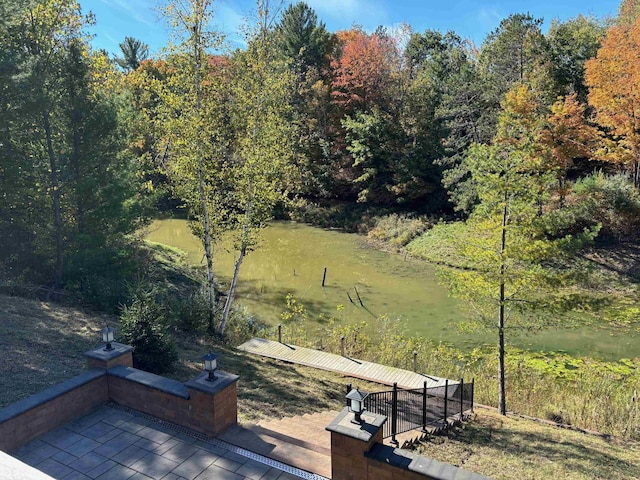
x=589, y=456
x=42, y=346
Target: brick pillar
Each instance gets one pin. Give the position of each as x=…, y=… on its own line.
x=213, y=404
x=350, y=442
x=100, y=358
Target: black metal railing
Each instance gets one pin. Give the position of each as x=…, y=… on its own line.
x=409, y=409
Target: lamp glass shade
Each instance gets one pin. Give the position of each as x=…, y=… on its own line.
x=210, y=362
x=107, y=334
x=356, y=406
x=210, y=365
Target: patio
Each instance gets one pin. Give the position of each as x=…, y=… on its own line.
x=116, y=443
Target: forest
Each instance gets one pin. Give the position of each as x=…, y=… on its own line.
x=514, y=156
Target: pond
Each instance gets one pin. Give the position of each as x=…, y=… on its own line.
x=291, y=258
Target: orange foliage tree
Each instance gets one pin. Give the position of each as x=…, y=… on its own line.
x=362, y=71
x=568, y=136
x=613, y=78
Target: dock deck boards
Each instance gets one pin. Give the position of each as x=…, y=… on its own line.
x=350, y=367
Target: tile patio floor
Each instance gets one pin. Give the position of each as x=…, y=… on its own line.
x=114, y=444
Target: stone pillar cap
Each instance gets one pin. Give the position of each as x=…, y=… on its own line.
x=105, y=355
x=371, y=424
x=222, y=381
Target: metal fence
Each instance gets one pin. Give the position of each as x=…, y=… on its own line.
x=409, y=409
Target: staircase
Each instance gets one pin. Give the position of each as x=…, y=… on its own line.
x=413, y=437
x=300, y=441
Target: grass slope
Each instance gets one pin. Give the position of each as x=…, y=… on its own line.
x=42, y=344
x=516, y=448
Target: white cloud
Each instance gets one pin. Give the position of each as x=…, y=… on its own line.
x=141, y=11
x=490, y=17
x=228, y=19
x=368, y=13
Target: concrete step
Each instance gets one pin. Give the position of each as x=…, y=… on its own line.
x=308, y=428
x=282, y=447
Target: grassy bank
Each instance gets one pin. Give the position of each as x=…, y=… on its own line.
x=585, y=393
x=515, y=448
x=37, y=353
x=43, y=343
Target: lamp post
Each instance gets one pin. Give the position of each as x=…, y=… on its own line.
x=107, y=337
x=210, y=365
x=356, y=404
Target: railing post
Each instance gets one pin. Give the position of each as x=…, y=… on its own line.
x=446, y=396
x=279, y=333
x=394, y=414
x=415, y=361
x=348, y=390
x=424, y=407
x=342, y=345
x=473, y=384
x=461, y=397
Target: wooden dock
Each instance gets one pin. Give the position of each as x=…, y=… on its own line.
x=349, y=367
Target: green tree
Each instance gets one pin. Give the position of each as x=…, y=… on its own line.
x=64, y=149
x=133, y=52
x=194, y=120
x=501, y=261
x=516, y=52
x=571, y=44
x=306, y=44
x=260, y=169
x=302, y=39
x=446, y=108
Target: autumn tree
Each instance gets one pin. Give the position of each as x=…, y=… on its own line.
x=628, y=12
x=613, y=77
x=567, y=136
x=362, y=70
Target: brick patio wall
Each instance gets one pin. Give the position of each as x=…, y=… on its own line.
x=32, y=417
x=208, y=407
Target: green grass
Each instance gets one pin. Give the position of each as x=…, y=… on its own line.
x=515, y=448
x=42, y=344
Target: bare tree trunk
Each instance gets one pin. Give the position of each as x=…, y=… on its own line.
x=232, y=288
x=502, y=401
x=75, y=159
x=236, y=270
x=55, y=196
x=208, y=251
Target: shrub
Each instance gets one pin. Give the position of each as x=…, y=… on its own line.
x=143, y=325
x=610, y=200
x=190, y=313
x=398, y=230
x=241, y=327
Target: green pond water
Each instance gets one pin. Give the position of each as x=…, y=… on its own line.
x=291, y=259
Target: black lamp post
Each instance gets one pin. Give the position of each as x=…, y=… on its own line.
x=356, y=404
x=210, y=365
x=107, y=337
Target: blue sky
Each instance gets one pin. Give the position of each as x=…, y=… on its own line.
x=116, y=19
